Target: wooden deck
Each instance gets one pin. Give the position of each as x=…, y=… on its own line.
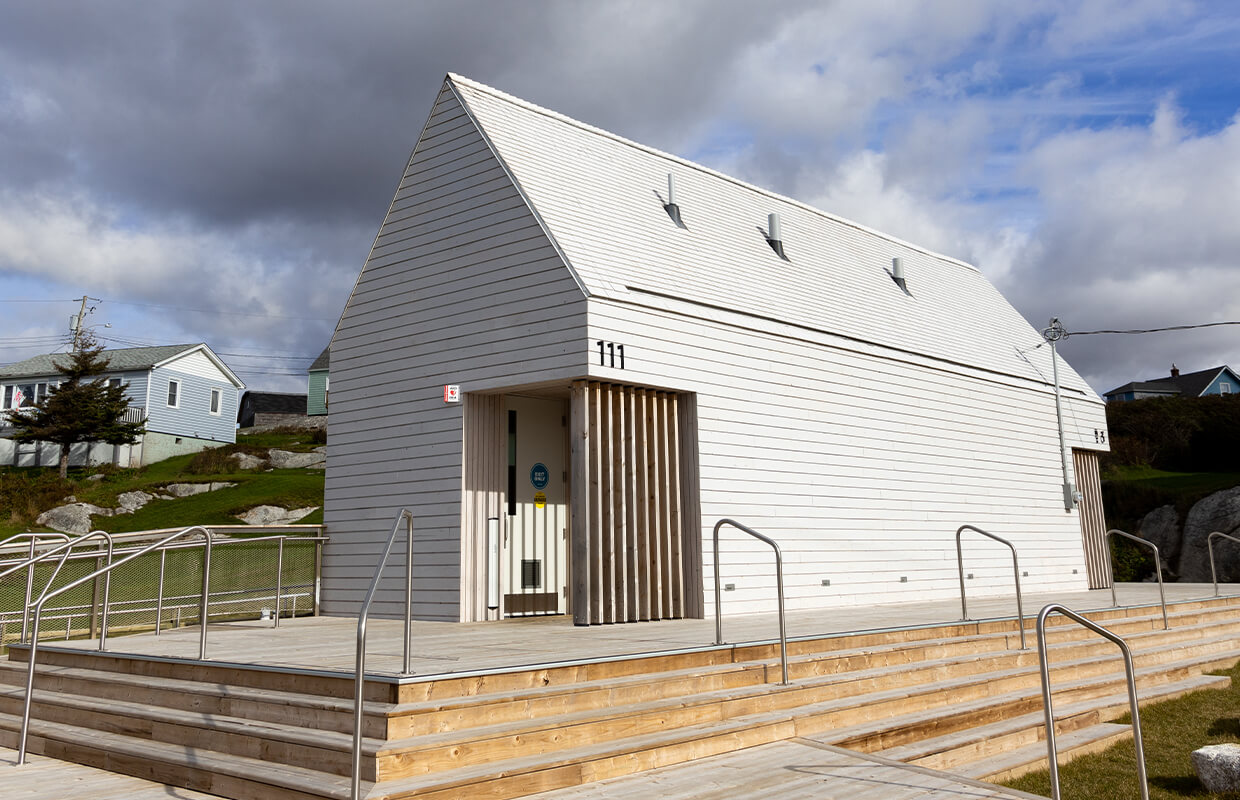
x=327, y=643
x=790, y=770
x=48, y=779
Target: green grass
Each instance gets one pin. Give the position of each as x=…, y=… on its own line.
x=1171, y=731
x=34, y=489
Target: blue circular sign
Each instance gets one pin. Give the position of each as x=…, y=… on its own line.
x=539, y=476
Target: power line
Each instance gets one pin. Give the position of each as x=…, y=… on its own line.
x=219, y=311
x=1156, y=330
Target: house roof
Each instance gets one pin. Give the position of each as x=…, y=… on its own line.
x=126, y=359
x=1188, y=384
x=274, y=403
x=601, y=198
x=323, y=361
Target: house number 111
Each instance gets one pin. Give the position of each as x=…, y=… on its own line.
x=610, y=354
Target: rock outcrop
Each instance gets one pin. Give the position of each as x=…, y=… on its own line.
x=274, y=515
x=1162, y=527
x=1218, y=767
x=285, y=459
x=73, y=518
x=1218, y=512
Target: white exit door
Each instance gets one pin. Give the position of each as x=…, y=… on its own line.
x=534, y=576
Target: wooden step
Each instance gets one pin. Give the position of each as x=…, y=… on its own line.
x=1032, y=757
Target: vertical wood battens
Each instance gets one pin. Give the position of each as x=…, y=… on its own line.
x=1093, y=520
x=579, y=460
x=690, y=508
x=482, y=483
x=640, y=535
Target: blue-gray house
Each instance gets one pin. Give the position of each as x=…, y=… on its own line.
x=185, y=393
x=1216, y=380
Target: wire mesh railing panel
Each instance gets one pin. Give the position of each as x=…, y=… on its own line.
x=162, y=589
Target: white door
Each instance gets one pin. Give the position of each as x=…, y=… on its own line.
x=535, y=558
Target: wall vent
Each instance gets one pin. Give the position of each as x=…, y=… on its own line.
x=671, y=207
x=775, y=235
x=897, y=274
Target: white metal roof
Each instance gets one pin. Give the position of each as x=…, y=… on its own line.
x=601, y=198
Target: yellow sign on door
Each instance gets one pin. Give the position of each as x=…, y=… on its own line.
x=540, y=500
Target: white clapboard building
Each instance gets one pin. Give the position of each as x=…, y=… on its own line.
x=569, y=355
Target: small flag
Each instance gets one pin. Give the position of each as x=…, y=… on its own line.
x=17, y=397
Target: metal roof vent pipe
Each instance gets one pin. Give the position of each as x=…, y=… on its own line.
x=775, y=236
x=897, y=275
x=672, y=209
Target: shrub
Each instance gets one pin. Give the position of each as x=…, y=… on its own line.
x=26, y=493
x=212, y=462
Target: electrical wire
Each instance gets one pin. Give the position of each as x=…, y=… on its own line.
x=218, y=311
x=1156, y=330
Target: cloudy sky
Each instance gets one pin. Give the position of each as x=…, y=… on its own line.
x=216, y=171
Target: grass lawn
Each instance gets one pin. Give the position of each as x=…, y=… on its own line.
x=289, y=488
x=1171, y=730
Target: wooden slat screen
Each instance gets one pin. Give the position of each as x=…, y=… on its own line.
x=1093, y=520
x=482, y=498
x=631, y=552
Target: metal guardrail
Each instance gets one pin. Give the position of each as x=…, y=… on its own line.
x=359, y=675
x=964, y=607
x=779, y=580
x=29, y=563
x=66, y=550
x=1052, y=751
x=1162, y=595
x=1210, y=547
x=106, y=572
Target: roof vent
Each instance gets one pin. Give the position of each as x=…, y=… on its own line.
x=775, y=236
x=670, y=206
x=897, y=274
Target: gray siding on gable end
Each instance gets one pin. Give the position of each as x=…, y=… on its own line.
x=192, y=416
x=462, y=287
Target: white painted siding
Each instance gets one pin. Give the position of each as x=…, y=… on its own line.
x=861, y=463
x=462, y=287
x=197, y=363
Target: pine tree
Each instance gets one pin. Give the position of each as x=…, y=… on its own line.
x=80, y=409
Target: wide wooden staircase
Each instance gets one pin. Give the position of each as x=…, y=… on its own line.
x=960, y=697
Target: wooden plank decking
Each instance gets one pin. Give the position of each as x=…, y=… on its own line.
x=327, y=643
x=43, y=778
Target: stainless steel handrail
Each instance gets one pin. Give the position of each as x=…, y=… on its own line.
x=1051, y=750
x=1210, y=547
x=1162, y=595
x=66, y=549
x=103, y=631
x=779, y=580
x=964, y=607
x=359, y=676
x=29, y=564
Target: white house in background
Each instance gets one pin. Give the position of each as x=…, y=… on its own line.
x=569, y=375
x=184, y=392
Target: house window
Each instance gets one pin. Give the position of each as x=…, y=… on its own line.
x=23, y=396
x=215, y=401
x=1224, y=388
x=113, y=382
x=174, y=394
x=8, y=397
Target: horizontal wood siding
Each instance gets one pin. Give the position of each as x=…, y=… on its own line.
x=316, y=393
x=861, y=465
x=192, y=415
x=462, y=287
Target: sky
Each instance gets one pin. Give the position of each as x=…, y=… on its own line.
x=216, y=171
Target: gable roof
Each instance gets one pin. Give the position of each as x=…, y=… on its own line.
x=1188, y=384
x=601, y=198
x=323, y=361
x=122, y=360
x=127, y=359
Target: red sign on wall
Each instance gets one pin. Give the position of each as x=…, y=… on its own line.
x=451, y=393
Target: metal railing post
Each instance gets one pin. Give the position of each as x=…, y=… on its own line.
x=1052, y=750
x=48, y=594
x=1162, y=595
x=279, y=578
x=29, y=592
x=964, y=608
x=359, y=674
x=1210, y=548
x=204, y=613
x=779, y=583
x=159, y=601
x=318, y=576
x=29, y=563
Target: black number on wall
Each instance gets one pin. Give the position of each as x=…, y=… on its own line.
x=610, y=354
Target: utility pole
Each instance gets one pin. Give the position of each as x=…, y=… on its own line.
x=1053, y=334
x=77, y=324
